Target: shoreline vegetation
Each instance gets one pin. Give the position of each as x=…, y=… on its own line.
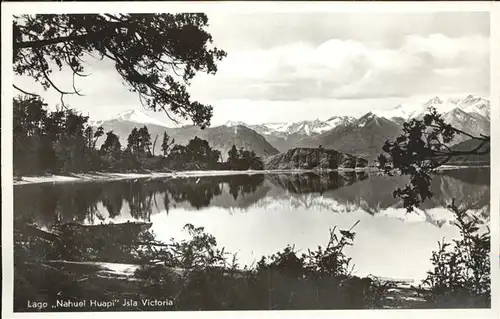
x=120, y=262
x=113, y=176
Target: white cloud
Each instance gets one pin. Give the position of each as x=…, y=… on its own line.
x=347, y=68
x=446, y=48
x=296, y=66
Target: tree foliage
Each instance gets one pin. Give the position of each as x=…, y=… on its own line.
x=423, y=146
x=243, y=159
x=145, y=141
x=111, y=146
x=232, y=155
x=460, y=276
x=92, y=136
x=197, y=154
x=195, y=272
x=157, y=55
x=461, y=273
x=133, y=143
x=44, y=141
x=63, y=141
x=166, y=143
x=139, y=142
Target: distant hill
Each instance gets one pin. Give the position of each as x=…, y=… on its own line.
x=223, y=138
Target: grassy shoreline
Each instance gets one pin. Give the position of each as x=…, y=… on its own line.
x=113, y=176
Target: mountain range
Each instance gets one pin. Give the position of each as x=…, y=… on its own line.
x=362, y=137
x=219, y=137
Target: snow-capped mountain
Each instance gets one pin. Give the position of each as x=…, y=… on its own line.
x=132, y=116
x=470, y=104
x=365, y=119
x=138, y=116
x=305, y=128
x=434, y=101
x=284, y=135
x=335, y=121
x=408, y=110
x=471, y=114
x=363, y=137
x=235, y=123
x=475, y=104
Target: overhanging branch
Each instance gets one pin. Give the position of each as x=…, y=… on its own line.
x=77, y=38
x=23, y=91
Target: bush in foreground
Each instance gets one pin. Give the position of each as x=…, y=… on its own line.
x=198, y=275
x=460, y=276
x=195, y=274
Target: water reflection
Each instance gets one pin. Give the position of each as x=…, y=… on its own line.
x=93, y=202
x=316, y=183
x=257, y=215
x=139, y=199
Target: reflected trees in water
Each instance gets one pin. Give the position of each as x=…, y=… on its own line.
x=96, y=202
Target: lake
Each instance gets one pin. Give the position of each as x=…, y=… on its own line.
x=255, y=215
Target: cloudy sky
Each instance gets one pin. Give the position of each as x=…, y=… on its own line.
x=289, y=67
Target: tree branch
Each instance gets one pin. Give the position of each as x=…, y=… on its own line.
x=74, y=88
x=21, y=90
x=42, y=43
x=483, y=137
x=172, y=119
x=82, y=37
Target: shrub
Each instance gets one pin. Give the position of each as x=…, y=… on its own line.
x=461, y=273
x=196, y=274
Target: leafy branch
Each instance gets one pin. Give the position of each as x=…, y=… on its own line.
x=424, y=146
x=157, y=55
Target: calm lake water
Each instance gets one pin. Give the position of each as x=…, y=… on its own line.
x=255, y=215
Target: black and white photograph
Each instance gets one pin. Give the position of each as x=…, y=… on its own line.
x=271, y=160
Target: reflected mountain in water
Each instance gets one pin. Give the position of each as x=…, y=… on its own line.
x=96, y=202
x=305, y=183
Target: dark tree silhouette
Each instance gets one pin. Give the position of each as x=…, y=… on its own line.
x=133, y=142
x=47, y=141
x=423, y=147
x=145, y=141
x=156, y=54
x=111, y=145
x=232, y=155
x=166, y=143
x=92, y=136
x=243, y=159
x=201, y=151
